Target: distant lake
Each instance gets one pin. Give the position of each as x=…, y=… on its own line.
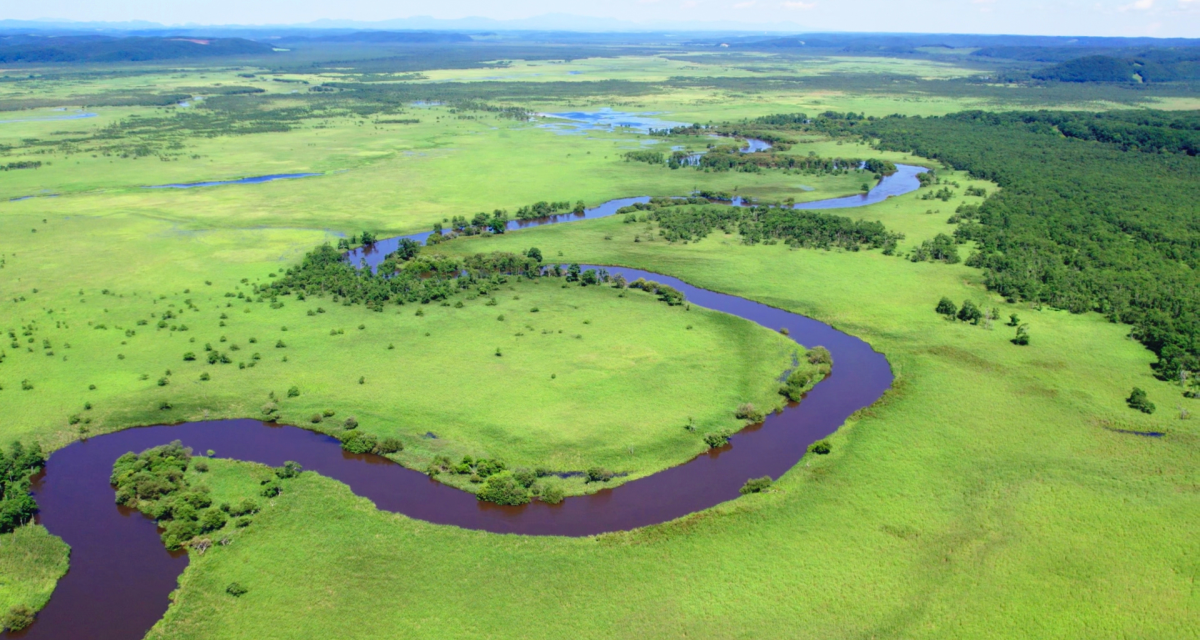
x=217, y=183
x=73, y=116
x=606, y=119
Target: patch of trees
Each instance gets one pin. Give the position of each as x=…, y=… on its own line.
x=405, y=276
x=1082, y=222
x=155, y=482
x=941, y=248
x=767, y=224
x=649, y=157
x=17, y=507
x=23, y=164
x=498, y=483
x=818, y=364
x=545, y=209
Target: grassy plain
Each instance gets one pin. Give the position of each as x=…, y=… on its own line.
x=437, y=372
x=992, y=494
x=31, y=562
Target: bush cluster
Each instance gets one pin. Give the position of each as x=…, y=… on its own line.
x=17, y=507
x=155, y=483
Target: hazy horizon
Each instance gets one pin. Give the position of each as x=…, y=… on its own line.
x=1113, y=18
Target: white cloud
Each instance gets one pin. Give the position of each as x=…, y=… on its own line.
x=798, y=5
x=743, y=5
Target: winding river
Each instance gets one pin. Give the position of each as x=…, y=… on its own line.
x=121, y=575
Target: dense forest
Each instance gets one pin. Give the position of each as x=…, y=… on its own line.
x=1095, y=212
x=682, y=220
x=1155, y=65
x=42, y=49
x=16, y=466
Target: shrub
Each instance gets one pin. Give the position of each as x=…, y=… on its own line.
x=551, y=494
x=390, y=445
x=797, y=381
x=270, y=489
x=350, y=422
x=293, y=392
x=526, y=477
x=316, y=418
x=485, y=468
x=1138, y=400
x=820, y=447
x=189, y=356
x=969, y=312
x=756, y=485
x=290, y=469
x=748, y=412
x=358, y=442
x=599, y=474
x=18, y=617
x=211, y=520
x=503, y=488
x=820, y=356
x=716, y=440
x=1022, y=337
x=236, y=590
x=200, y=466
x=947, y=308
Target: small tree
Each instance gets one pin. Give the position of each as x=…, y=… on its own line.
x=503, y=488
x=599, y=474
x=756, y=485
x=947, y=308
x=820, y=447
x=551, y=494
x=358, y=442
x=969, y=312
x=716, y=440
x=1022, y=337
x=1138, y=400
x=290, y=469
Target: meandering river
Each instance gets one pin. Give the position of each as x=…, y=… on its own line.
x=121, y=574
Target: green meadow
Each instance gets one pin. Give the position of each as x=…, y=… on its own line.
x=996, y=491
x=989, y=493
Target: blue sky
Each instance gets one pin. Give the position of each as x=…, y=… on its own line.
x=1174, y=18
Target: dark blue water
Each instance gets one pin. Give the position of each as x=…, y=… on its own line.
x=254, y=180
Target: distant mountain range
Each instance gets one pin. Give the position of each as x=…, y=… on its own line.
x=548, y=22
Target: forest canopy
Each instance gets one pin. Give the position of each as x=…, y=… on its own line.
x=1096, y=212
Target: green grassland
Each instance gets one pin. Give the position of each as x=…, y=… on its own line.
x=31, y=562
x=987, y=496
x=601, y=348
x=992, y=493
